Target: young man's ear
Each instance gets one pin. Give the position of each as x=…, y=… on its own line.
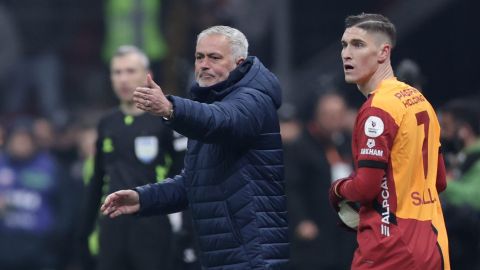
x=384, y=52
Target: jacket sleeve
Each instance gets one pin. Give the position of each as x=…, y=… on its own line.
x=237, y=118
x=163, y=198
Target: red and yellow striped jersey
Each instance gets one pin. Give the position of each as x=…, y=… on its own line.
x=403, y=227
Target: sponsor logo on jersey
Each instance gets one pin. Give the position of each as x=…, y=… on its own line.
x=406, y=93
x=370, y=143
x=427, y=197
x=374, y=126
x=410, y=97
x=385, y=219
x=146, y=148
x=414, y=100
x=371, y=152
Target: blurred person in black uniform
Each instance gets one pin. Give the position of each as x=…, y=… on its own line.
x=310, y=163
x=133, y=148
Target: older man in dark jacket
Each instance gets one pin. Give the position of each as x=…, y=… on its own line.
x=233, y=175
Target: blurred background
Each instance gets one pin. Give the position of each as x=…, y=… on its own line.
x=55, y=84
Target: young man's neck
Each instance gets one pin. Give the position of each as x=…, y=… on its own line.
x=129, y=108
x=384, y=72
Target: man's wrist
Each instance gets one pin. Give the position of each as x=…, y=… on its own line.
x=336, y=188
x=170, y=113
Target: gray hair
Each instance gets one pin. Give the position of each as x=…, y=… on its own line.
x=238, y=41
x=130, y=49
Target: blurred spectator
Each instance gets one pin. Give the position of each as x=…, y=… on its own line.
x=461, y=125
x=132, y=148
x=39, y=69
x=310, y=162
x=44, y=132
x=408, y=71
x=33, y=203
x=450, y=146
x=329, y=126
x=290, y=125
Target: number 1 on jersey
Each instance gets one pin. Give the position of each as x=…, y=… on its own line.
x=424, y=119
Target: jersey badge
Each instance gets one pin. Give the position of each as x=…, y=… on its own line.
x=370, y=143
x=374, y=126
x=146, y=148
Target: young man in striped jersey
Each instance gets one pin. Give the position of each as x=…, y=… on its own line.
x=399, y=170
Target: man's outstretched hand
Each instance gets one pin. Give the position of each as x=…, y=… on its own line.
x=151, y=99
x=121, y=202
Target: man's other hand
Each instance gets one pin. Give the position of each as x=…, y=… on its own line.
x=121, y=202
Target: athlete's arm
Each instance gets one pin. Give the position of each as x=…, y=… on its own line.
x=441, y=183
x=363, y=186
x=374, y=135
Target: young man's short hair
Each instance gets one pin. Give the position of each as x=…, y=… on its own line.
x=376, y=23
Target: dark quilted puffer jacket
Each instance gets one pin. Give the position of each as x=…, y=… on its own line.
x=233, y=176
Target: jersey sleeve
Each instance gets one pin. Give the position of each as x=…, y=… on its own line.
x=375, y=133
x=362, y=186
x=441, y=183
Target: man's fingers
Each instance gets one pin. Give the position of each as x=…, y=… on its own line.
x=142, y=107
x=109, y=202
x=103, y=207
x=107, y=210
x=106, y=204
x=120, y=203
x=143, y=104
x=151, y=83
x=142, y=92
x=116, y=213
x=142, y=96
x=123, y=193
x=139, y=100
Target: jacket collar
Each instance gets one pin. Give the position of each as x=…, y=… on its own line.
x=219, y=90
